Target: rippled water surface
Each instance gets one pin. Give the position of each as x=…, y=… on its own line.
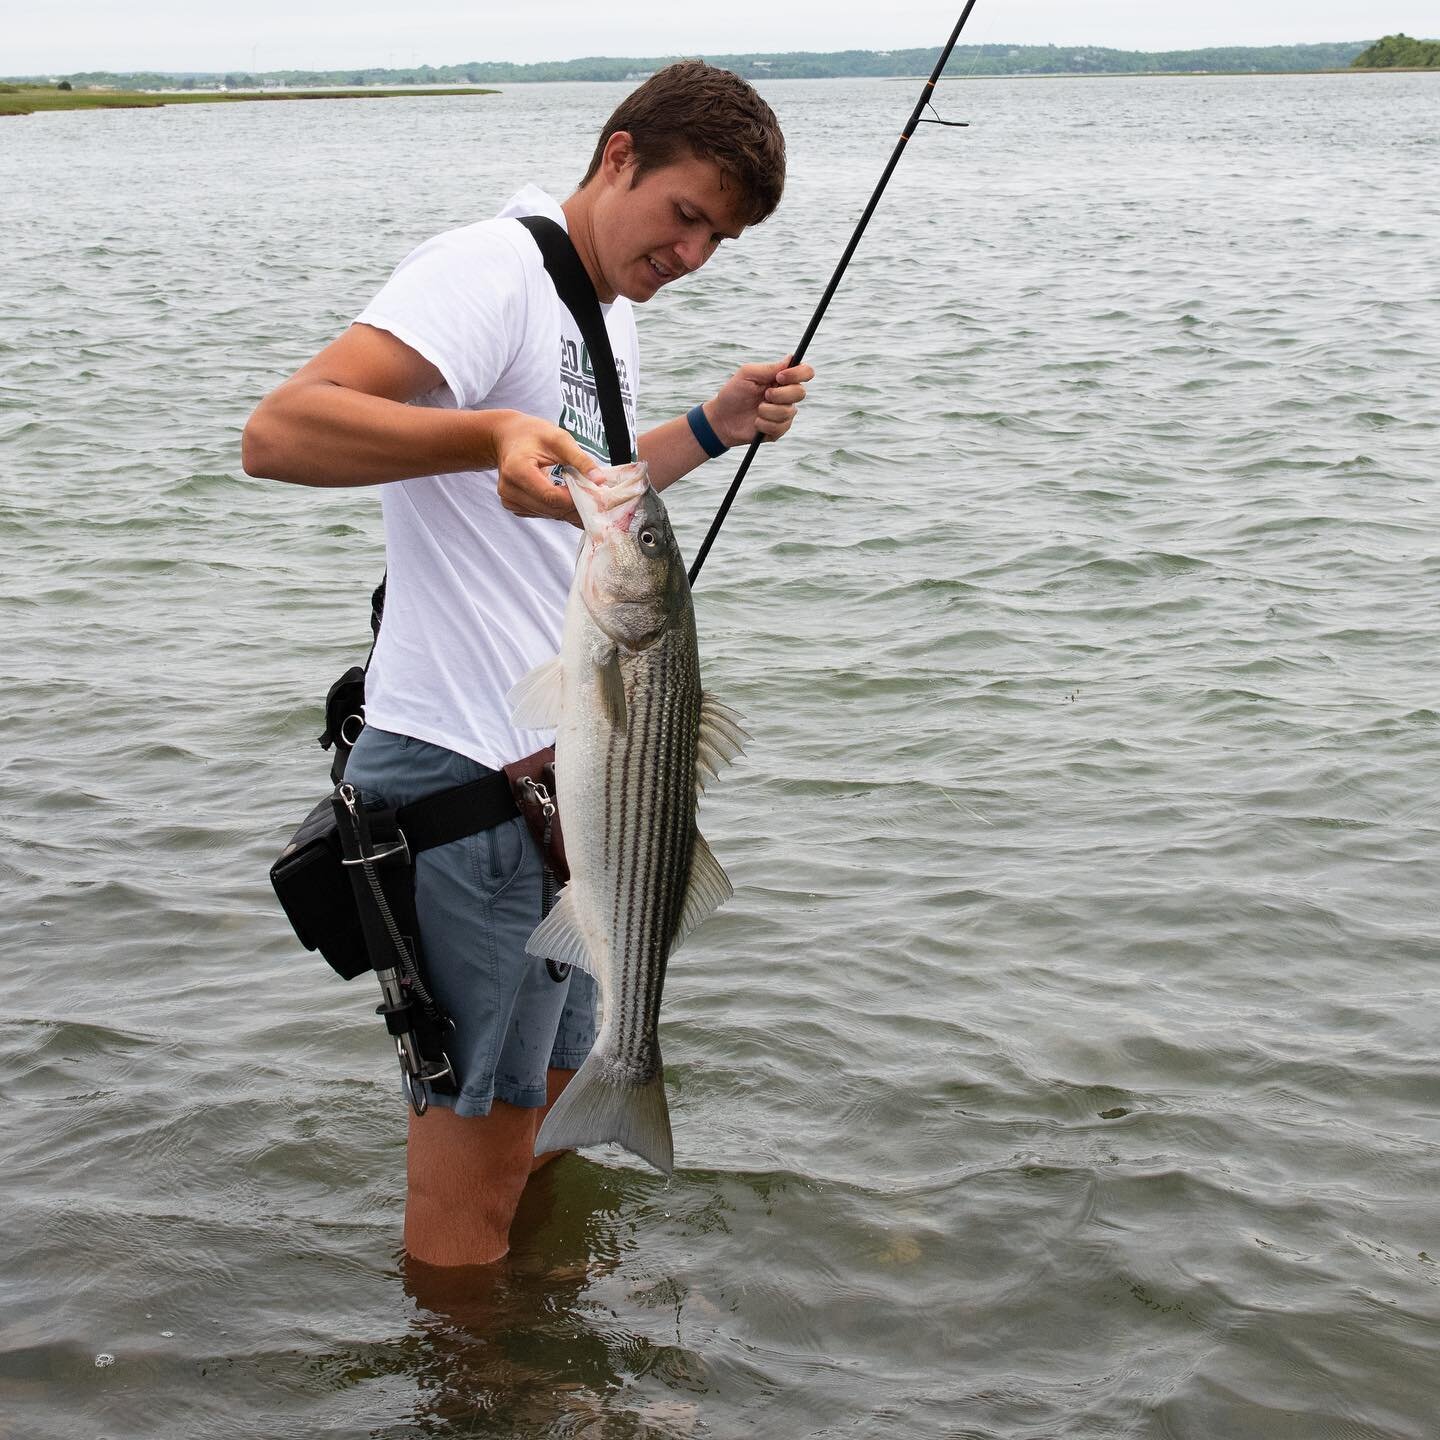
x=1065, y=1063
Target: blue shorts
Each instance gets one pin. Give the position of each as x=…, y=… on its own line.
x=477, y=900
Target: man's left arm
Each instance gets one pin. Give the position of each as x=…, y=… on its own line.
x=755, y=400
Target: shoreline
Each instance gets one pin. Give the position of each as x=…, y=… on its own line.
x=34, y=100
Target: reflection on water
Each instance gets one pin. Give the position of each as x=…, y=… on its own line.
x=522, y=1347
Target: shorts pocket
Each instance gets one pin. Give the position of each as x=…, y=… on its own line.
x=499, y=856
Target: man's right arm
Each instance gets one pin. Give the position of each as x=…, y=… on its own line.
x=342, y=419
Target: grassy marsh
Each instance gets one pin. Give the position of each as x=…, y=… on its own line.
x=28, y=99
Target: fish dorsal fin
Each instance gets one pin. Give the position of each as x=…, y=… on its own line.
x=612, y=690
x=722, y=738
x=558, y=937
x=708, y=889
x=535, y=698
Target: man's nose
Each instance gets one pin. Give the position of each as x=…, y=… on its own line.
x=692, y=254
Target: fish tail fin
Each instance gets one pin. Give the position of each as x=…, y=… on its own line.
x=597, y=1106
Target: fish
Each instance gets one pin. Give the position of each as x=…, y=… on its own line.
x=636, y=741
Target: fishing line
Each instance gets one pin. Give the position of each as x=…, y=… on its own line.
x=917, y=117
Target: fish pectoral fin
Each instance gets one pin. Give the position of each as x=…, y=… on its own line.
x=558, y=937
x=722, y=738
x=708, y=889
x=536, y=698
x=612, y=690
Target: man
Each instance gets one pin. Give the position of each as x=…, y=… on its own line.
x=441, y=388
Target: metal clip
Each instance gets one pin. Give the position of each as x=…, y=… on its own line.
x=417, y=1074
x=400, y=847
x=350, y=797
x=541, y=796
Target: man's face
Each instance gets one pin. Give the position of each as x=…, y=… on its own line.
x=651, y=231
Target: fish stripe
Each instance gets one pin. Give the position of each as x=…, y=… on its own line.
x=644, y=810
x=664, y=713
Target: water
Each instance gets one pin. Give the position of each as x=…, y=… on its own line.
x=1064, y=1065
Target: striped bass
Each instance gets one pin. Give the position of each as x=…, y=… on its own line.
x=636, y=739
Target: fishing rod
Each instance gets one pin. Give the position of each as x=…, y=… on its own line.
x=917, y=117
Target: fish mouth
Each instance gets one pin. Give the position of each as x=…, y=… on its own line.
x=607, y=498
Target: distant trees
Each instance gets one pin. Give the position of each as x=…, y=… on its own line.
x=64, y=85
x=997, y=59
x=1397, y=52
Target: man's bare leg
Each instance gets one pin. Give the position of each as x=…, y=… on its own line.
x=555, y=1082
x=465, y=1176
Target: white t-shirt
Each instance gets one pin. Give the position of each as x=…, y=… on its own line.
x=476, y=595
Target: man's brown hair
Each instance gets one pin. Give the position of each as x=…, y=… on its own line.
x=695, y=108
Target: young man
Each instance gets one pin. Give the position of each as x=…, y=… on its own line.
x=443, y=387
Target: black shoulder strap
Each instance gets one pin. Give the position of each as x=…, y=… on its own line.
x=577, y=294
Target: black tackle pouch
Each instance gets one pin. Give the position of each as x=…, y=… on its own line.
x=315, y=892
x=315, y=888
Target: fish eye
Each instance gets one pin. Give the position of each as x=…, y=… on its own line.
x=647, y=537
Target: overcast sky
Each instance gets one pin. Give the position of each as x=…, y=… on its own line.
x=68, y=35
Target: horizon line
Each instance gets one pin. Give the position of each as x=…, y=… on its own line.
x=181, y=70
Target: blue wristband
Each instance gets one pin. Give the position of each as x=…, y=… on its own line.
x=704, y=434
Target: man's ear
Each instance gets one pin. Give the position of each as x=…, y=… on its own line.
x=618, y=157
